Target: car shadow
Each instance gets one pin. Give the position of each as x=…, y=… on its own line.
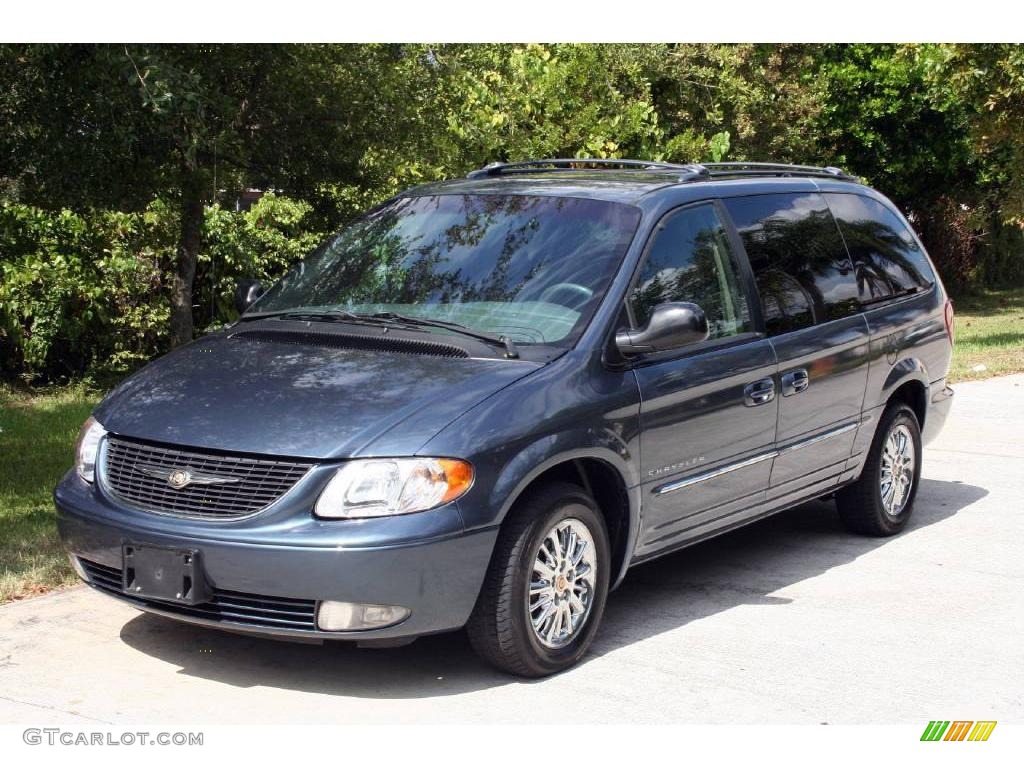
x=740, y=568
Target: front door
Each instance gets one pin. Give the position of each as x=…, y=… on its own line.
x=708, y=411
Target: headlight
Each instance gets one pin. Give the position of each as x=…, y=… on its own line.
x=379, y=487
x=87, y=448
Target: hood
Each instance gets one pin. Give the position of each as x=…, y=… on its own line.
x=300, y=400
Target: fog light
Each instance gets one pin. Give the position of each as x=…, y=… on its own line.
x=337, y=616
x=77, y=565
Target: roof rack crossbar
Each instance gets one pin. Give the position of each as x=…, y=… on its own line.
x=773, y=169
x=583, y=163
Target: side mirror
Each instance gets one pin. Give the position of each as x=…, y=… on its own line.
x=247, y=291
x=670, y=326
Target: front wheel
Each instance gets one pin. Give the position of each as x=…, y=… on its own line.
x=881, y=501
x=546, y=587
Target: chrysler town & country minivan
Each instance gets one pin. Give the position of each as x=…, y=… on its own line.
x=480, y=404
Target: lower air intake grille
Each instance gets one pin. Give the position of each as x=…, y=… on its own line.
x=225, y=606
x=220, y=486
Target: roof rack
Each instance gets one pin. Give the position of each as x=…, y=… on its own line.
x=687, y=172
x=773, y=169
x=584, y=163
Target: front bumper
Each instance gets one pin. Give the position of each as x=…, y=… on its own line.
x=279, y=566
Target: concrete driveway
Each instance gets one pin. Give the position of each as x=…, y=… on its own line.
x=792, y=620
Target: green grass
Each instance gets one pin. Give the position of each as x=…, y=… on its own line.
x=989, y=333
x=37, y=437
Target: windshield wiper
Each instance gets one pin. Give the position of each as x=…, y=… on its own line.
x=329, y=315
x=511, y=351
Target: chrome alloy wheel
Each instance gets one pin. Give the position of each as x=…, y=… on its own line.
x=897, y=475
x=562, y=583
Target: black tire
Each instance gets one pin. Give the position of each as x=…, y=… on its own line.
x=500, y=628
x=861, y=507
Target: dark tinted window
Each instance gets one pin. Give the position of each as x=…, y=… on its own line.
x=886, y=257
x=690, y=260
x=803, y=272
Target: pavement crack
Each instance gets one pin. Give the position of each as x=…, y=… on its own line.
x=54, y=709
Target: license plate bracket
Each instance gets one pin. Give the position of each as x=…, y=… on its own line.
x=169, y=574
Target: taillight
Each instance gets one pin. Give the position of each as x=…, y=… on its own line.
x=949, y=319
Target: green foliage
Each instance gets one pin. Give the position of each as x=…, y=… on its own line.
x=760, y=95
x=549, y=101
x=119, y=125
x=990, y=82
x=261, y=242
x=90, y=292
x=889, y=115
x=78, y=289
x=116, y=162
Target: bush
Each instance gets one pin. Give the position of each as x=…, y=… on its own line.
x=1001, y=256
x=88, y=292
x=79, y=288
x=951, y=236
x=261, y=242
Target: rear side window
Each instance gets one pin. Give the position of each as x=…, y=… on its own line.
x=804, y=274
x=690, y=260
x=886, y=257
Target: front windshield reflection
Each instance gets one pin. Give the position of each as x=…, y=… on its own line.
x=529, y=267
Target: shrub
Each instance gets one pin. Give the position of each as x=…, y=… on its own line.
x=87, y=292
x=261, y=242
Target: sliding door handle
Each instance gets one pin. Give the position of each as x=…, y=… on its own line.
x=759, y=392
x=794, y=382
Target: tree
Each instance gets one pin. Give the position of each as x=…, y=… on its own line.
x=757, y=96
x=990, y=80
x=90, y=131
x=511, y=102
x=116, y=126
x=889, y=117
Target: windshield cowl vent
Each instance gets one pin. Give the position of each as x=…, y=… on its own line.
x=340, y=340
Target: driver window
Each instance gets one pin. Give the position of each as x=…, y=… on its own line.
x=690, y=260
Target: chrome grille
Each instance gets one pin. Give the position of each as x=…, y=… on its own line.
x=225, y=606
x=250, y=483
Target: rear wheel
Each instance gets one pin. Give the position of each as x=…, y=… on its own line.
x=881, y=501
x=546, y=587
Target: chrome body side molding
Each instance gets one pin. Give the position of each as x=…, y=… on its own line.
x=821, y=438
x=694, y=479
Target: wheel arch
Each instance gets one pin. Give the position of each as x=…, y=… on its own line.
x=603, y=473
x=908, y=382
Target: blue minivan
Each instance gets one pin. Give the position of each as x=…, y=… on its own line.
x=481, y=403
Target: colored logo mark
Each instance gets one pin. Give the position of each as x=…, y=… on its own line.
x=958, y=730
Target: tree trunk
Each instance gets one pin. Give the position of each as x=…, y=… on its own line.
x=185, y=263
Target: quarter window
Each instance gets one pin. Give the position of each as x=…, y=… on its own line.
x=803, y=272
x=887, y=260
x=690, y=260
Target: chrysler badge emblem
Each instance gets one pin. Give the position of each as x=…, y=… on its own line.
x=178, y=478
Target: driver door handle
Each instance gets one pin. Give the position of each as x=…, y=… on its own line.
x=759, y=392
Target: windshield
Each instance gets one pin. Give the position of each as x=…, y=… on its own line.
x=527, y=267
